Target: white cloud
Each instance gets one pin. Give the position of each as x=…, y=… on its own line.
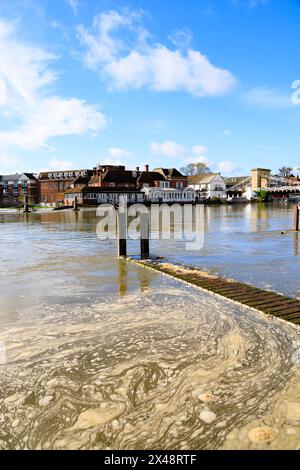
x=116, y=152
x=24, y=72
x=53, y=117
x=61, y=28
x=227, y=132
x=135, y=63
x=199, y=159
x=182, y=38
x=227, y=167
x=74, y=4
x=197, y=154
x=31, y=113
x=60, y=165
x=102, y=47
x=9, y=162
x=267, y=98
x=168, y=148
x=199, y=150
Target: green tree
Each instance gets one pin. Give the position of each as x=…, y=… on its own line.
x=263, y=195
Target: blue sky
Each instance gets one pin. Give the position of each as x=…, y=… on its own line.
x=163, y=82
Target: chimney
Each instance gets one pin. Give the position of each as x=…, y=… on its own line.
x=147, y=168
x=137, y=169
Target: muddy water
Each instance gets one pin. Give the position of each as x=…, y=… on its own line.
x=102, y=354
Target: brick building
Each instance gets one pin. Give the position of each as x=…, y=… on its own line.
x=176, y=179
x=109, y=182
x=109, y=176
x=89, y=195
x=53, y=184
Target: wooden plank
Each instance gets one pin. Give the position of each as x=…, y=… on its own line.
x=268, y=302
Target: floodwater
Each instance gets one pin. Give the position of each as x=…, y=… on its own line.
x=97, y=353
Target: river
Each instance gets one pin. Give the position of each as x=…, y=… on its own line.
x=98, y=353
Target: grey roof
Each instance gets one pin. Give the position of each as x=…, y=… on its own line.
x=13, y=177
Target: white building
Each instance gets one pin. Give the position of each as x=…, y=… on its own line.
x=208, y=185
x=165, y=195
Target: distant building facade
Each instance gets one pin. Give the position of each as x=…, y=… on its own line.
x=109, y=182
x=208, y=185
x=169, y=195
x=53, y=184
x=260, y=178
x=176, y=179
x=90, y=196
x=14, y=189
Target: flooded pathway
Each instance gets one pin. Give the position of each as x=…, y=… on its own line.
x=101, y=354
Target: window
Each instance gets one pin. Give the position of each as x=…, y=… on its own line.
x=179, y=185
x=61, y=185
x=56, y=185
x=112, y=185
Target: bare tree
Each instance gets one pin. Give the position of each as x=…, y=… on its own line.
x=195, y=169
x=285, y=172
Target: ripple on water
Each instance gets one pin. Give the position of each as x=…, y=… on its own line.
x=160, y=370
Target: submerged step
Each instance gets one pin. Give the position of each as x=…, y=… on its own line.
x=265, y=301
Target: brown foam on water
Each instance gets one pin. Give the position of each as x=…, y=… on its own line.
x=168, y=369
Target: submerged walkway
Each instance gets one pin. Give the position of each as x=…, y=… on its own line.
x=265, y=301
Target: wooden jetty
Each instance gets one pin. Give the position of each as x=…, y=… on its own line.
x=265, y=301
x=268, y=302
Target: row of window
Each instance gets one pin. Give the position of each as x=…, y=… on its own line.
x=60, y=186
x=178, y=196
x=71, y=174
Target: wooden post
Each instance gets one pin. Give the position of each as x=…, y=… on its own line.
x=26, y=205
x=145, y=229
x=122, y=230
x=76, y=208
x=296, y=218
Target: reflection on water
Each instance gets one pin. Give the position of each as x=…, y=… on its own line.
x=251, y=243
x=102, y=354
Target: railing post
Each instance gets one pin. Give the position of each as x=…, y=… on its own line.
x=145, y=231
x=122, y=229
x=296, y=218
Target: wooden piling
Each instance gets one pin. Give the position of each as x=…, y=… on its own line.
x=76, y=208
x=26, y=206
x=145, y=229
x=122, y=231
x=296, y=218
